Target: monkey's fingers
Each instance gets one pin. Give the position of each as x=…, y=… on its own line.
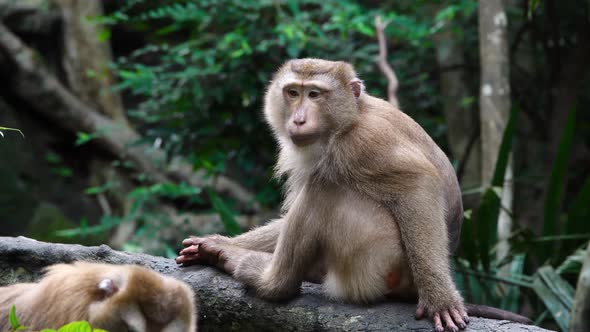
x=192, y=250
x=187, y=260
x=449, y=321
x=460, y=319
x=437, y=323
x=191, y=241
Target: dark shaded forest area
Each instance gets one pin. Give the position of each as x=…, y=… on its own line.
x=141, y=123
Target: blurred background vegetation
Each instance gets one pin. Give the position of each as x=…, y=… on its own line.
x=143, y=123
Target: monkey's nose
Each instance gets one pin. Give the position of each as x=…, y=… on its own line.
x=299, y=122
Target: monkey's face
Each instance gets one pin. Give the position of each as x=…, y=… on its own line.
x=305, y=122
x=310, y=100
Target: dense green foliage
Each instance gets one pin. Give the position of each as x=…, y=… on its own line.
x=197, y=81
x=201, y=77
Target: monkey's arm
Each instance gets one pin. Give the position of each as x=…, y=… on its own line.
x=263, y=238
x=420, y=213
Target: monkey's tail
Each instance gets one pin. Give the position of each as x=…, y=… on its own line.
x=495, y=313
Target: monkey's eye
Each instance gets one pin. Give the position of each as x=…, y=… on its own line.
x=293, y=93
x=314, y=94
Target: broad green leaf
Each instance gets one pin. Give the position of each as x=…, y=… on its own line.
x=557, y=181
x=573, y=263
x=469, y=245
x=81, y=326
x=556, y=294
x=510, y=301
x=505, y=148
x=489, y=209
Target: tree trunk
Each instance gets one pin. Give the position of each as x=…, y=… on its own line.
x=86, y=56
x=495, y=104
x=461, y=119
x=224, y=305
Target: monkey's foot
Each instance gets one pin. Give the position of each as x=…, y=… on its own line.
x=452, y=317
x=212, y=250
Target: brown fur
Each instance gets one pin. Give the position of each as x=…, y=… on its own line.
x=371, y=204
x=70, y=293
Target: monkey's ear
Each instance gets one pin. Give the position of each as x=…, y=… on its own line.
x=356, y=85
x=107, y=287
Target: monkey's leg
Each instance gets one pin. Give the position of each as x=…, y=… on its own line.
x=420, y=215
x=263, y=238
x=279, y=276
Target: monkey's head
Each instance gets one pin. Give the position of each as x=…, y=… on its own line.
x=126, y=298
x=309, y=100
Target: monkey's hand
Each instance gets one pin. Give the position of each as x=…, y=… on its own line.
x=211, y=250
x=452, y=313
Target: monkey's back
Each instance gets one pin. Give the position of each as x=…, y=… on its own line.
x=418, y=139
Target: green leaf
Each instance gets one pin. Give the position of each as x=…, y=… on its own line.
x=227, y=215
x=533, y=5
x=573, y=263
x=486, y=224
x=106, y=223
x=505, y=148
x=103, y=35
x=579, y=211
x=556, y=294
x=81, y=326
x=14, y=323
x=294, y=7
x=10, y=129
x=99, y=189
x=83, y=138
x=510, y=300
x=53, y=158
x=489, y=209
x=557, y=181
x=469, y=245
x=65, y=172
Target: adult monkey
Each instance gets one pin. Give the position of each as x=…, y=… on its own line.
x=359, y=173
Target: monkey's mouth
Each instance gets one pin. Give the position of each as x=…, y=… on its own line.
x=303, y=139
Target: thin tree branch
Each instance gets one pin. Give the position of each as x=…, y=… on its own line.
x=392, y=81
